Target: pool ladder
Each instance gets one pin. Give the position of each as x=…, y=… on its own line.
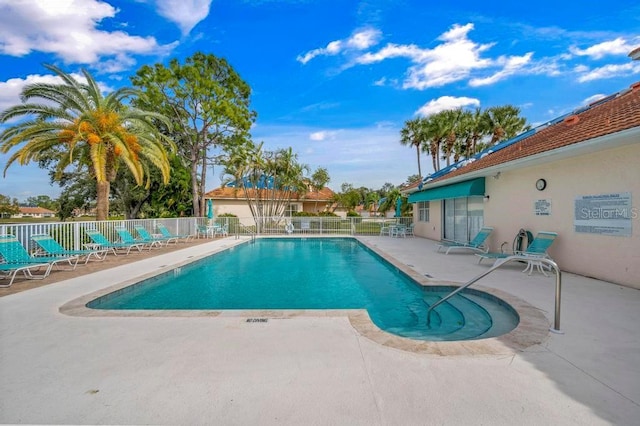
x=544, y=261
x=246, y=230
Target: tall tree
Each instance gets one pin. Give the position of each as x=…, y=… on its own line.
x=269, y=180
x=43, y=201
x=209, y=105
x=75, y=116
x=8, y=206
x=414, y=134
x=505, y=122
x=437, y=130
x=319, y=180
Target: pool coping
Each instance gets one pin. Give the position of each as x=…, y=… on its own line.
x=532, y=329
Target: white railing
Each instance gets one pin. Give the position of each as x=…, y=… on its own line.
x=302, y=225
x=71, y=234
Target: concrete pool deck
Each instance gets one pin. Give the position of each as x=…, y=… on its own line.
x=58, y=368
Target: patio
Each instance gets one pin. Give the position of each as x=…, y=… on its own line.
x=57, y=368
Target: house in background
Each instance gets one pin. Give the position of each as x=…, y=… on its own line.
x=229, y=199
x=578, y=175
x=37, y=212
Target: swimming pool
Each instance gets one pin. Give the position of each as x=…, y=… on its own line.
x=317, y=273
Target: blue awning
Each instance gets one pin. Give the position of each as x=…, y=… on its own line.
x=469, y=188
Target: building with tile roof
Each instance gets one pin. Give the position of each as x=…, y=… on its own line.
x=577, y=175
x=39, y=212
x=231, y=200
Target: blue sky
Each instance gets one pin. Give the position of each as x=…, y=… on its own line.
x=335, y=79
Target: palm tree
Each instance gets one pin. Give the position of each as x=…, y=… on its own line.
x=451, y=128
x=436, y=131
x=75, y=116
x=413, y=134
x=319, y=180
x=505, y=123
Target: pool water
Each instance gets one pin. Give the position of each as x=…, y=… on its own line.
x=318, y=273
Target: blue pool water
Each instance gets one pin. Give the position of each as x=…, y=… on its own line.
x=318, y=273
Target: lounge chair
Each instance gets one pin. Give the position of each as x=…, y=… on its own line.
x=166, y=233
x=535, y=251
x=102, y=242
x=14, y=253
x=51, y=247
x=475, y=245
x=10, y=270
x=127, y=238
x=148, y=238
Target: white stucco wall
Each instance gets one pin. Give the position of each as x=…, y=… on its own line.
x=433, y=228
x=511, y=207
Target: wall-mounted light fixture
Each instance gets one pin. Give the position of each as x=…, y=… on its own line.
x=497, y=176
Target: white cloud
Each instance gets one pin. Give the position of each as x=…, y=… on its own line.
x=510, y=66
x=185, y=13
x=610, y=71
x=594, y=98
x=69, y=30
x=323, y=135
x=619, y=46
x=360, y=40
x=444, y=103
x=452, y=60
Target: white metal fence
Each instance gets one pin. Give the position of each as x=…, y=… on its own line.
x=71, y=235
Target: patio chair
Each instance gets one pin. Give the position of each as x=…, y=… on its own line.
x=49, y=246
x=10, y=270
x=409, y=231
x=385, y=230
x=475, y=245
x=166, y=233
x=148, y=238
x=536, y=250
x=127, y=238
x=204, y=231
x=102, y=242
x=14, y=253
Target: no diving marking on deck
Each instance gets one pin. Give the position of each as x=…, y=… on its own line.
x=257, y=319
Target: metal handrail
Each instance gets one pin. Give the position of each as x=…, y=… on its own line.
x=549, y=262
x=246, y=230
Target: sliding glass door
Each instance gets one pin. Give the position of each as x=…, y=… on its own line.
x=463, y=218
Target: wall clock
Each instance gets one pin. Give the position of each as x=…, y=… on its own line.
x=541, y=184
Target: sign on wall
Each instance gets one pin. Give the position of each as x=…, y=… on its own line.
x=542, y=207
x=604, y=214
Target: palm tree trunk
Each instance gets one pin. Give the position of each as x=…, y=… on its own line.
x=418, y=155
x=102, y=200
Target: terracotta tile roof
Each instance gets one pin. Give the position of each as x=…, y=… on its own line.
x=610, y=115
x=234, y=193
x=35, y=210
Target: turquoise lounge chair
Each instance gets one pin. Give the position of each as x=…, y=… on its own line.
x=127, y=238
x=102, y=242
x=150, y=239
x=51, y=247
x=14, y=253
x=535, y=251
x=166, y=233
x=10, y=270
x=476, y=245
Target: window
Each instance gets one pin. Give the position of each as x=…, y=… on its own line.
x=423, y=211
x=291, y=209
